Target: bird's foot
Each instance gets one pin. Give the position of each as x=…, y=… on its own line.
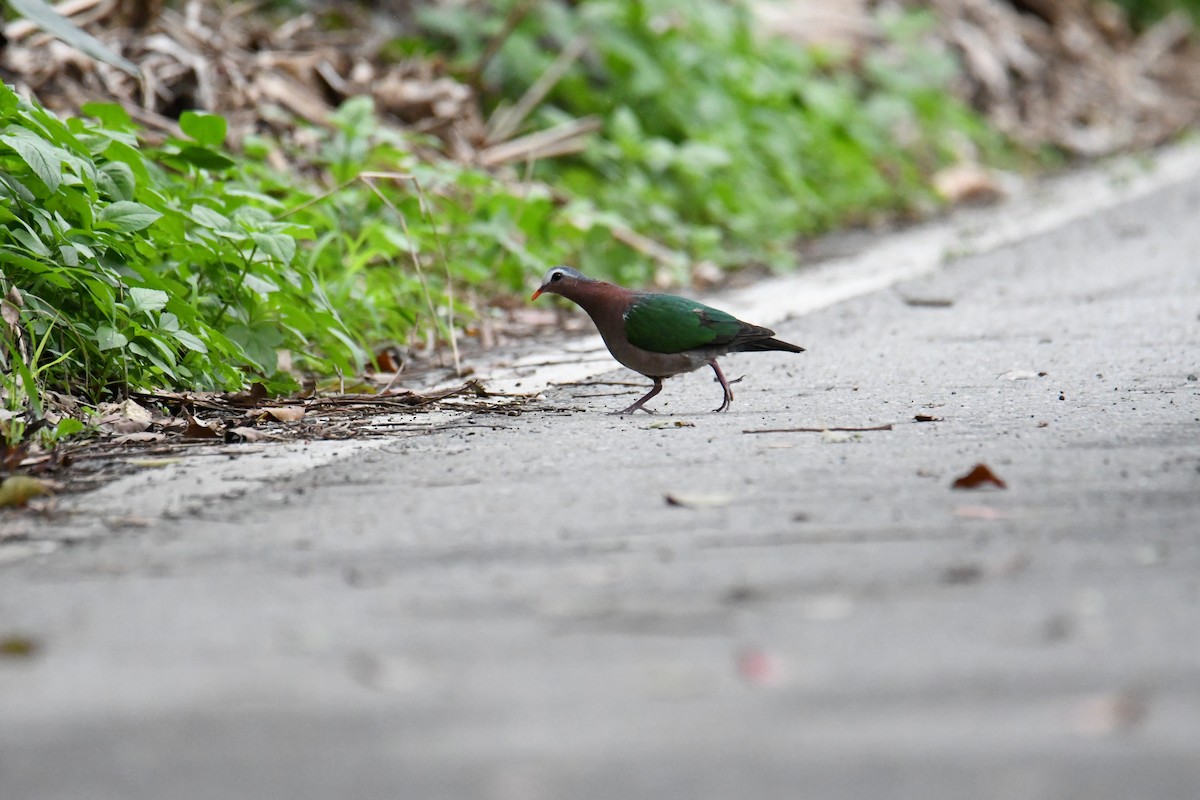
x=630, y=410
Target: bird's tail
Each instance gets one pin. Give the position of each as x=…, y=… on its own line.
x=771, y=344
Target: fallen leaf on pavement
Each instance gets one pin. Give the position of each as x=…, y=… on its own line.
x=126, y=417
x=968, y=183
x=18, y=645
x=928, y=302
x=243, y=434
x=388, y=360
x=141, y=436
x=285, y=413
x=978, y=477
x=16, y=490
x=11, y=456
x=199, y=430
x=248, y=399
x=927, y=418
x=698, y=499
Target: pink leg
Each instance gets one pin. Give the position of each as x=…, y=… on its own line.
x=640, y=403
x=724, y=385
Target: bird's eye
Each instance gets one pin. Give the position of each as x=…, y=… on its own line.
x=558, y=276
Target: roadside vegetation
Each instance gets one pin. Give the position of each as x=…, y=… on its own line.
x=180, y=265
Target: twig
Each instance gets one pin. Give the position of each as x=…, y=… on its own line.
x=887, y=427
x=567, y=137
x=596, y=383
x=437, y=239
x=648, y=247
x=514, y=18
x=368, y=178
x=504, y=123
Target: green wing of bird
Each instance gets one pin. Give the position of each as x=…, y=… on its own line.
x=664, y=323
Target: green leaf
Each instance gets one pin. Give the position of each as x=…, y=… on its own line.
x=258, y=343
x=278, y=246
x=146, y=300
x=111, y=115
x=207, y=218
x=55, y=24
x=116, y=180
x=132, y=157
x=67, y=426
x=166, y=365
x=207, y=129
x=204, y=158
x=190, y=341
x=43, y=159
x=127, y=216
x=32, y=242
x=109, y=339
x=259, y=284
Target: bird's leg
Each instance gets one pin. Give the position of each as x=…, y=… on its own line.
x=724, y=385
x=640, y=403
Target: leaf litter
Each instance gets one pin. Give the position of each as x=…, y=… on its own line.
x=980, y=477
x=155, y=430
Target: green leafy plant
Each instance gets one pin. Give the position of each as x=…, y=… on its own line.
x=721, y=142
x=182, y=265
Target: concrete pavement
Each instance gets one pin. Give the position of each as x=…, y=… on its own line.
x=512, y=609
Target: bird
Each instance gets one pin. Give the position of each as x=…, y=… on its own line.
x=660, y=335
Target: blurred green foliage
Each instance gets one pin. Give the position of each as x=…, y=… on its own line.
x=1146, y=12
x=723, y=143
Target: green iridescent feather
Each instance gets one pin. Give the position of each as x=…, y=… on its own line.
x=664, y=323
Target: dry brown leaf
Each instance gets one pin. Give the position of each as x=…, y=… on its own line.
x=981, y=475
x=125, y=417
x=248, y=399
x=11, y=314
x=199, y=430
x=388, y=360
x=284, y=413
x=968, y=183
x=1073, y=74
x=11, y=456
x=243, y=434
